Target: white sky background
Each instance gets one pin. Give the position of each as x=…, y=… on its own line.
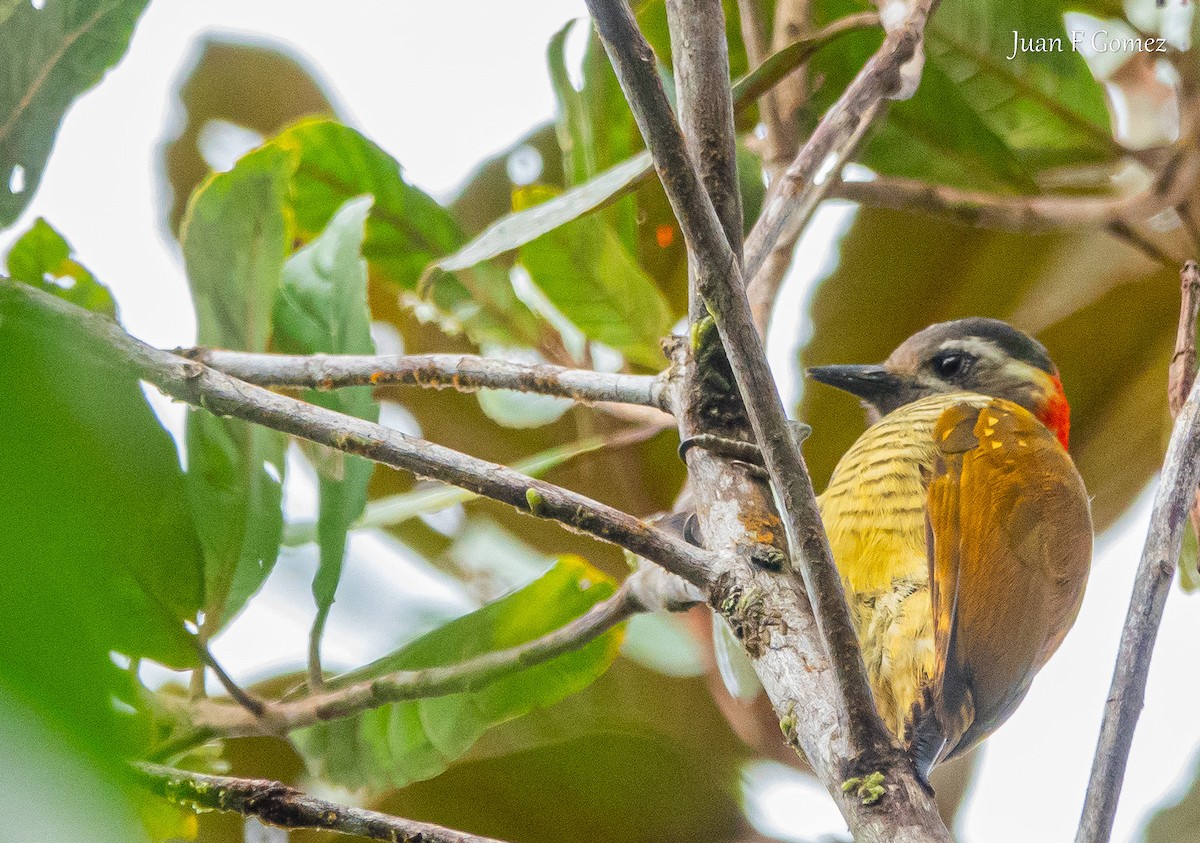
x=441, y=86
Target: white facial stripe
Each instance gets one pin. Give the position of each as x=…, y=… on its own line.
x=979, y=348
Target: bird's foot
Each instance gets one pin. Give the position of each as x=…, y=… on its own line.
x=869, y=788
x=745, y=453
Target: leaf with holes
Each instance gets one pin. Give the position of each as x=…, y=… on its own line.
x=399, y=743
x=43, y=259
x=48, y=57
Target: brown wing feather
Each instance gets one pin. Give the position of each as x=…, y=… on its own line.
x=1010, y=545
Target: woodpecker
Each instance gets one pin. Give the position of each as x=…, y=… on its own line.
x=960, y=527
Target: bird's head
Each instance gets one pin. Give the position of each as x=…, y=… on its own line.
x=986, y=356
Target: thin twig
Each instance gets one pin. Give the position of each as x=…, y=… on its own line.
x=1025, y=213
x=280, y=805
x=337, y=700
x=252, y=704
x=911, y=815
x=201, y=386
x=1176, y=491
x=649, y=589
x=1183, y=362
x=790, y=200
x=1124, y=232
x=462, y=372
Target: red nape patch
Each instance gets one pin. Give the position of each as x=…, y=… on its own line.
x=1056, y=414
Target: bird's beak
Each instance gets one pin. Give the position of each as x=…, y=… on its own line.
x=873, y=384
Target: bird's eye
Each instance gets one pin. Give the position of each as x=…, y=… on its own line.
x=951, y=365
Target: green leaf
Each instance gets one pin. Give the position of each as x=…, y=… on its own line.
x=50, y=790
x=979, y=120
x=43, y=259
x=406, y=230
x=520, y=227
x=1046, y=106
x=410, y=741
x=48, y=57
x=98, y=554
x=322, y=308
x=515, y=229
x=586, y=272
x=235, y=237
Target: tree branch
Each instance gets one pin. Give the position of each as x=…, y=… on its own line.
x=862, y=742
x=277, y=804
x=648, y=589
x=1177, y=484
x=701, y=59
x=1183, y=362
x=462, y=372
x=793, y=197
x=1027, y=213
x=201, y=386
x=778, y=108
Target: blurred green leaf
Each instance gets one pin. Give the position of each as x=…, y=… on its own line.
x=520, y=227
x=586, y=272
x=7, y=7
x=510, y=408
x=404, y=742
x=43, y=259
x=258, y=87
x=98, y=555
x=1046, y=106
x=1189, y=576
x=235, y=237
x=50, y=790
x=486, y=194
x=322, y=308
x=634, y=738
x=574, y=123
x=406, y=230
x=49, y=56
x=1178, y=822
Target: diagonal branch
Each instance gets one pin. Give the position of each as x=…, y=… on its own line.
x=1173, y=183
x=1156, y=571
x=863, y=741
x=462, y=372
x=277, y=804
x=201, y=386
x=649, y=589
x=795, y=194
x=1183, y=362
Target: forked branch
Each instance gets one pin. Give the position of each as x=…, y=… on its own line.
x=862, y=738
x=201, y=386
